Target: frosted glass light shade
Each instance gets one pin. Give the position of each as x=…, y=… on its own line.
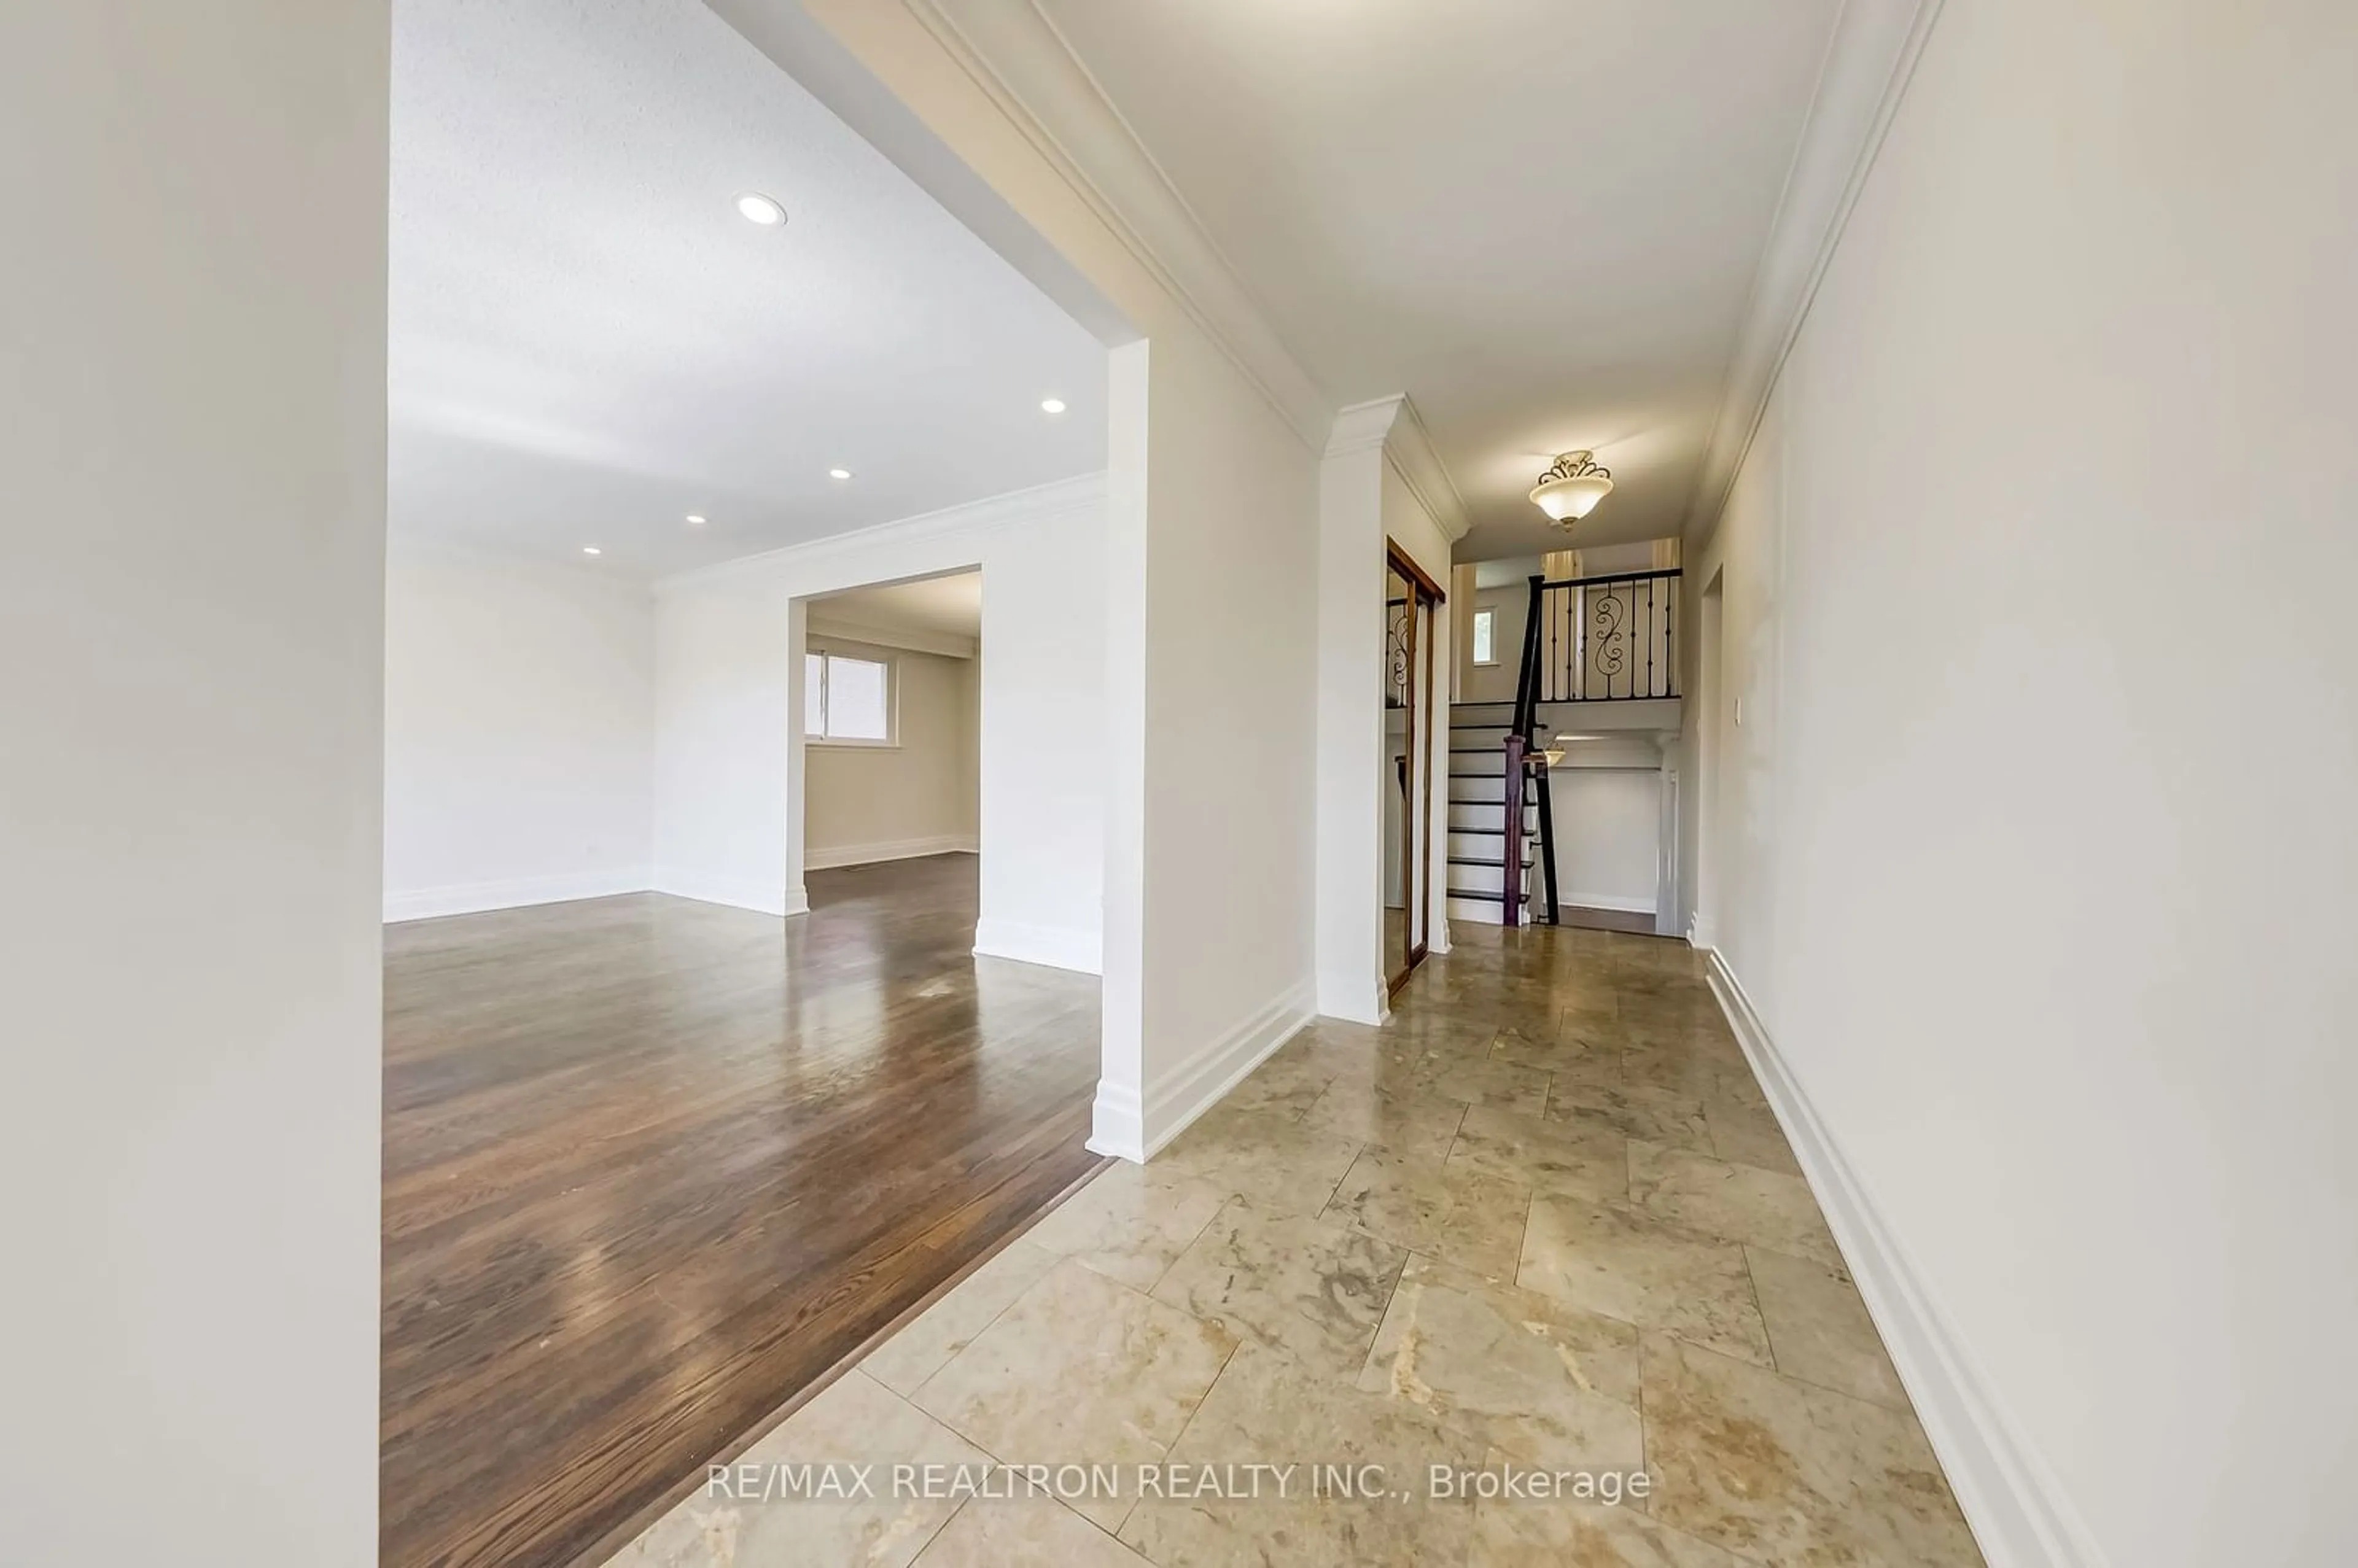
x=1569, y=500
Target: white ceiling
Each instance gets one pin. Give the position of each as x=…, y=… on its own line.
x=587, y=343
x=951, y=606
x=1539, y=218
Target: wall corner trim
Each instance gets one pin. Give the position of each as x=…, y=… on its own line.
x=2016, y=1506
x=1868, y=62
x=1393, y=423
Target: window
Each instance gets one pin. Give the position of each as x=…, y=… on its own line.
x=848, y=701
x=1485, y=632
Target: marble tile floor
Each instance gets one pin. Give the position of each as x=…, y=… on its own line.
x=1539, y=1223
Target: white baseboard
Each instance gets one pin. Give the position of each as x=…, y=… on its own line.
x=893, y=850
x=1117, y=1125
x=1058, y=947
x=1613, y=901
x=1123, y=1126
x=737, y=893
x=1356, y=999
x=2017, y=1508
x=475, y=898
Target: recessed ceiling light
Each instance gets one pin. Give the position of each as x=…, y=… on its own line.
x=591, y=550
x=757, y=208
x=1052, y=405
x=696, y=518
x=838, y=474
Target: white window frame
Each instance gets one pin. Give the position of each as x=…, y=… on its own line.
x=892, y=740
x=1473, y=640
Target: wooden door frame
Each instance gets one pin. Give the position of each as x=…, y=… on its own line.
x=1425, y=600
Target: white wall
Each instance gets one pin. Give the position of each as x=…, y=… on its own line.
x=193, y=297
x=731, y=769
x=1496, y=682
x=1226, y=814
x=1608, y=832
x=519, y=733
x=1363, y=502
x=2034, y=846
x=922, y=796
x=1211, y=523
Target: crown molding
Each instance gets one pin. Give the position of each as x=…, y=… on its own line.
x=1411, y=452
x=1868, y=62
x=1015, y=54
x=1393, y=423
x=1016, y=508
x=1363, y=427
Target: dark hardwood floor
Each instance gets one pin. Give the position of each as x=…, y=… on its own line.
x=651, y=1166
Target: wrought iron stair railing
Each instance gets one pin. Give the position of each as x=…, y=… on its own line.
x=1593, y=639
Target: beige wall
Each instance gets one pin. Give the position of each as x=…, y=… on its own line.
x=874, y=803
x=2033, y=846
x=1495, y=682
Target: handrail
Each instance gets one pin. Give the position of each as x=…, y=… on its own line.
x=1518, y=748
x=1610, y=577
x=1527, y=668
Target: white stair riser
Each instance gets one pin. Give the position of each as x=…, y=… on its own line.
x=1489, y=791
x=1473, y=879
x=1491, y=813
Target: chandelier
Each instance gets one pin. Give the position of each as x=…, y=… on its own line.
x=1571, y=488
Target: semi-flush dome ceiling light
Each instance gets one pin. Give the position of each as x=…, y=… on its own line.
x=1571, y=488
x=1052, y=405
x=756, y=207
x=838, y=474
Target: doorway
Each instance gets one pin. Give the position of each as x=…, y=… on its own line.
x=1411, y=600
x=892, y=732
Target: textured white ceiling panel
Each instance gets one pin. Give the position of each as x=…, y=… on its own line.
x=1540, y=218
x=588, y=343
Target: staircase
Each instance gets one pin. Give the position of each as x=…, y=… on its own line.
x=1586, y=640
x=1477, y=826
